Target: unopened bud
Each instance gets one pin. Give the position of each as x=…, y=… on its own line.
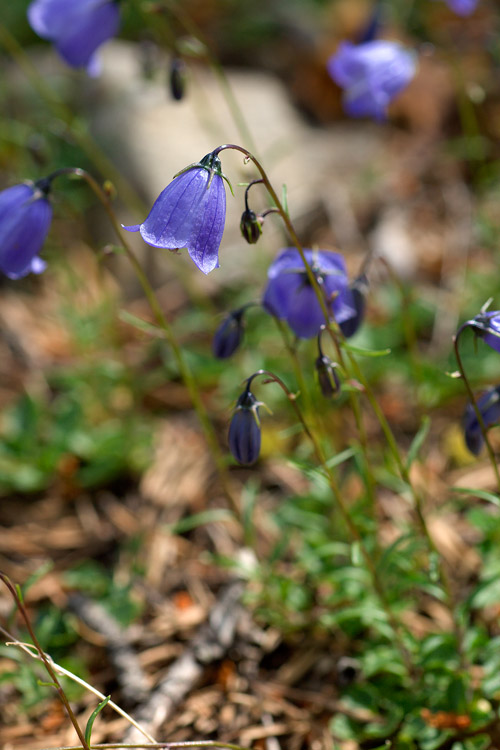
x=251, y=226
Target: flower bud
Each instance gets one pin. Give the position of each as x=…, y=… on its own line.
x=228, y=336
x=177, y=78
x=251, y=226
x=244, y=430
x=328, y=379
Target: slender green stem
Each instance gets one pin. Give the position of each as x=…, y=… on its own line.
x=370, y=483
x=417, y=503
x=474, y=405
x=344, y=512
x=167, y=329
x=46, y=663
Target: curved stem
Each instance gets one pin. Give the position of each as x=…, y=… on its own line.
x=474, y=405
x=167, y=329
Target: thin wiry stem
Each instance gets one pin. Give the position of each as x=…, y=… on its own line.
x=164, y=325
x=46, y=663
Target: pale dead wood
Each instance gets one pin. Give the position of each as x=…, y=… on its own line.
x=211, y=643
x=123, y=657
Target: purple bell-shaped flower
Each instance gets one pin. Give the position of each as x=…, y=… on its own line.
x=76, y=27
x=290, y=296
x=25, y=216
x=190, y=213
x=371, y=74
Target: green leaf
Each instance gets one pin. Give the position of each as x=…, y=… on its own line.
x=340, y=457
x=418, y=441
x=284, y=198
x=92, y=718
x=140, y=324
x=482, y=494
x=201, y=519
x=366, y=352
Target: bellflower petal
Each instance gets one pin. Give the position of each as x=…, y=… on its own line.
x=489, y=407
x=25, y=216
x=371, y=74
x=189, y=213
x=290, y=296
x=462, y=7
x=486, y=325
x=76, y=27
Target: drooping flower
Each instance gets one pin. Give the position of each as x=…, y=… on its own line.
x=290, y=296
x=486, y=325
x=76, y=27
x=25, y=216
x=244, y=430
x=190, y=213
x=229, y=334
x=489, y=407
x=371, y=74
x=462, y=7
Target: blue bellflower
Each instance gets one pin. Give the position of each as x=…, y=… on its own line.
x=25, y=216
x=371, y=74
x=489, y=407
x=190, y=213
x=76, y=28
x=244, y=430
x=462, y=7
x=290, y=296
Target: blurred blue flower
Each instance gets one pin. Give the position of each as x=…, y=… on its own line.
x=462, y=7
x=190, y=213
x=489, y=407
x=290, y=296
x=244, y=430
x=229, y=334
x=25, y=216
x=76, y=27
x=371, y=74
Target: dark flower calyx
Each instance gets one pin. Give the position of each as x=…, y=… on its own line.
x=177, y=78
x=328, y=379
